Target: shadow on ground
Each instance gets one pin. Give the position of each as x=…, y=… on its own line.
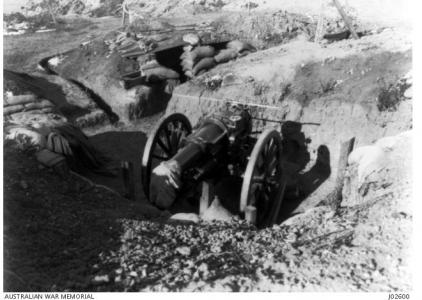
x=120, y=146
x=57, y=230
x=301, y=183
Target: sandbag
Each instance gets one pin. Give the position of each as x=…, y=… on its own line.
x=240, y=46
x=200, y=52
x=160, y=73
x=201, y=72
x=38, y=105
x=189, y=74
x=150, y=65
x=47, y=110
x=49, y=158
x=8, y=110
x=190, y=58
x=187, y=48
x=226, y=55
x=19, y=99
x=191, y=38
x=58, y=144
x=187, y=64
x=204, y=64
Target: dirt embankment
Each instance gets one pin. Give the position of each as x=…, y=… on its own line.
x=330, y=92
x=335, y=92
x=99, y=66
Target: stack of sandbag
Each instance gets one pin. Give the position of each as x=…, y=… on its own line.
x=233, y=50
x=154, y=72
x=20, y=103
x=93, y=118
x=150, y=71
x=130, y=45
x=196, y=59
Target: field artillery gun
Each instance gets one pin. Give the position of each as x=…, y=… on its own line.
x=177, y=160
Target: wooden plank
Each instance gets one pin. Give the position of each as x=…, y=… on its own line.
x=319, y=32
x=208, y=194
x=346, y=19
x=128, y=180
x=334, y=198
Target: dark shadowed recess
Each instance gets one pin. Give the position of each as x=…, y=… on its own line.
x=301, y=184
x=57, y=229
x=91, y=93
x=120, y=146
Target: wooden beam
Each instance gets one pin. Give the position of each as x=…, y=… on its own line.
x=208, y=194
x=128, y=180
x=319, y=32
x=334, y=198
x=346, y=19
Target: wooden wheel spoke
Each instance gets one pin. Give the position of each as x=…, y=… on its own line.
x=163, y=146
x=272, y=182
x=261, y=163
x=273, y=171
x=167, y=134
x=262, y=179
x=181, y=133
x=159, y=157
x=273, y=151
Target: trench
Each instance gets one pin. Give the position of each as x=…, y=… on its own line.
x=101, y=103
x=128, y=142
x=124, y=145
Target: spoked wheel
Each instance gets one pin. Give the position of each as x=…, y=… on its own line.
x=162, y=144
x=263, y=185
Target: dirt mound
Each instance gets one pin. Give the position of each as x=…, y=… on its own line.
x=327, y=90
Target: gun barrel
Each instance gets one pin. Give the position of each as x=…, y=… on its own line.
x=199, y=144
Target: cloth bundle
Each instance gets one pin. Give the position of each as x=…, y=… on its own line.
x=165, y=182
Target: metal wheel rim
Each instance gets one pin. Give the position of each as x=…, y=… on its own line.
x=156, y=139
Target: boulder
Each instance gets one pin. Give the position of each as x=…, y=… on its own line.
x=376, y=169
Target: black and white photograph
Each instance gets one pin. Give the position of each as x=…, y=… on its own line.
x=207, y=146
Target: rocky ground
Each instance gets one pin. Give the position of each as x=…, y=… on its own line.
x=84, y=237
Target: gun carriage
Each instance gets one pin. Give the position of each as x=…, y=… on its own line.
x=222, y=145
